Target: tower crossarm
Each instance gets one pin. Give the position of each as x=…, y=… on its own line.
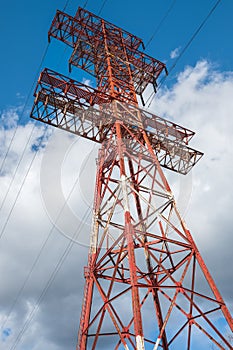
x=79, y=91
x=96, y=42
x=142, y=255
x=153, y=124
x=144, y=68
x=87, y=96
x=85, y=111
x=87, y=26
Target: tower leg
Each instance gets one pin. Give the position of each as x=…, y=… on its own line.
x=143, y=258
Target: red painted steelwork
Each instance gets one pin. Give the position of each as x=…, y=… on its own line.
x=90, y=113
x=147, y=286
x=109, y=53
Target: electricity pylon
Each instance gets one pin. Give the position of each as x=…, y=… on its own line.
x=147, y=286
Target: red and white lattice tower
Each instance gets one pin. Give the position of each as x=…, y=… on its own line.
x=147, y=286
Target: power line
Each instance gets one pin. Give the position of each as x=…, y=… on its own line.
x=17, y=167
x=66, y=4
x=195, y=34
x=103, y=4
x=160, y=23
x=24, y=108
x=50, y=280
x=44, y=244
x=12, y=208
x=158, y=27
x=185, y=48
x=85, y=4
x=22, y=184
x=18, y=123
x=69, y=246
x=27, y=143
x=39, y=254
x=24, y=150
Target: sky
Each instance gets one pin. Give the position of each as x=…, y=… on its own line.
x=197, y=94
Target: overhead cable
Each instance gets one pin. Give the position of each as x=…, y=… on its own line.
x=101, y=9
x=22, y=184
x=24, y=108
x=160, y=24
x=17, y=167
x=50, y=280
x=39, y=254
x=66, y=4
x=85, y=4
x=45, y=243
x=185, y=48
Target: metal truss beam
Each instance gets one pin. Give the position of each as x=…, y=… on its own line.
x=82, y=110
x=95, y=41
x=147, y=286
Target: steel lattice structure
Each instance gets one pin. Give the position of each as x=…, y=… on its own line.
x=147, y=286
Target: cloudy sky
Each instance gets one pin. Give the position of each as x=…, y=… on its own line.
x=41, y=268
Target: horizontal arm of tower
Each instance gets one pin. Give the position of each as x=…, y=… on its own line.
x=85, y=35
x=85, y=111
x=153, y=124
x=88, y=96
x=172, y=156
x=61, y=83
x=68, y=28
x=62, y=28
x=144, y=69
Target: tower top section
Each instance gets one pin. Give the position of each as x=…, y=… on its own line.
x=122, y=73
x=109, y=53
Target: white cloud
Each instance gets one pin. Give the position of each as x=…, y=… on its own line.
x=9, y=118
x=175, y=53
x=201, y=100
x=23, y=237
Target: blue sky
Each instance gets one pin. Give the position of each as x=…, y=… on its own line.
x=24, y=25
x=197, y=94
